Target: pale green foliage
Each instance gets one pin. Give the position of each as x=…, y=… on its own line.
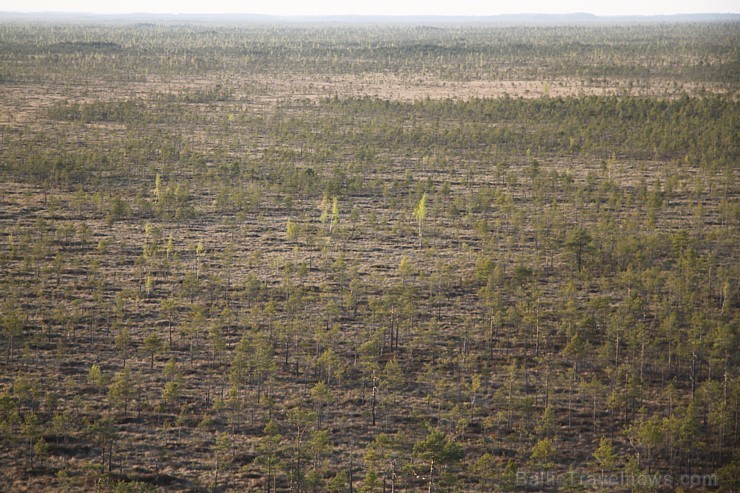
x=543, y=453
x=420, y=214
x=405, y=268
x=604, y=455
x=334, y=214
x=324, y=209
x=291, y=229
x=95, y=376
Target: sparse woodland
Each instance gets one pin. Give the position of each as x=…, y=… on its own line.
x=367, y=258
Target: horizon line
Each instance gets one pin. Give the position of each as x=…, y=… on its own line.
x=356, y=15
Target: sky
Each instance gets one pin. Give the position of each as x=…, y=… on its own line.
x=377, y=7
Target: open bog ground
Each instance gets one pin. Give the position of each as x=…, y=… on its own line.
x=347, y=257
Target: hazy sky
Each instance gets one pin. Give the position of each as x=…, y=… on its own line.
x=380, y=7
